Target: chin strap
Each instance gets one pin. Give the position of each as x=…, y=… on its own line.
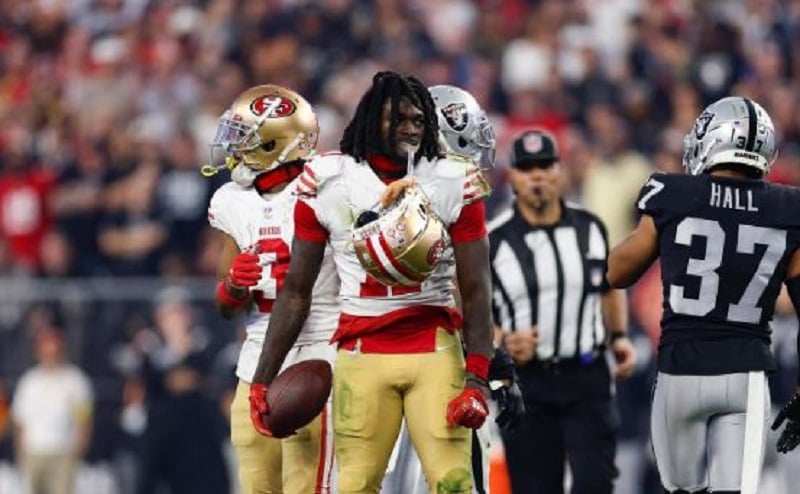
x=282, y=174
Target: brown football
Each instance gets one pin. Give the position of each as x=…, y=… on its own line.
x=297, y=395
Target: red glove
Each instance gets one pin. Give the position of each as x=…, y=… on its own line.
x=259, y=408
x=468, y=409
x=245, y=270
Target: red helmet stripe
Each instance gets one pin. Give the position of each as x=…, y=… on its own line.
x=395, y=263
x=377, y=260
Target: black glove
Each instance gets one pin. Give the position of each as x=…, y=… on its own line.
x=790, y=437
x=508, y=396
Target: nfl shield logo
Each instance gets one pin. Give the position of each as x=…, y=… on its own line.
x=532, y=143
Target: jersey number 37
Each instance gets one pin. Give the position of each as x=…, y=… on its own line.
x=705, y=268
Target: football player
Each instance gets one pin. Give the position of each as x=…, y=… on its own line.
x=464, y=130
x=265, y=139
x=726, y=239
x=399, y=354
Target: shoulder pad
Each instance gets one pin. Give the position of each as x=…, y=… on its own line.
x=221, y=201
x=460, y=169
x=222, y=194
x=667, y=192
x=475, y=185
x=452, y=166
x=318, y=172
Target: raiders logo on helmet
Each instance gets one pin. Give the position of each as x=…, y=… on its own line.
x=701, y=125
x=456, y=116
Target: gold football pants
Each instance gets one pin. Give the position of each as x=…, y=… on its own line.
x=299, y=464
x=372, y=393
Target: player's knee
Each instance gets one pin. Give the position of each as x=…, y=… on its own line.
x=359, y=481
x=454, y=481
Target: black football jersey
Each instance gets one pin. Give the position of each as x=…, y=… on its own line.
x=724, y=245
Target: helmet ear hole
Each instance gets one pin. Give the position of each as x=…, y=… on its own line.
x=269, y=146
x=462, y=143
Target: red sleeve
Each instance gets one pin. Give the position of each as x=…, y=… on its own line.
x=470, y=225
x=306, y=224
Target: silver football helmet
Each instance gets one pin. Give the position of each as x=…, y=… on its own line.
x=731, y=130
x=463, y=125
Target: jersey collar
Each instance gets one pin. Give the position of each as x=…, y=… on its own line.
x=286, y=173
x=386, y=169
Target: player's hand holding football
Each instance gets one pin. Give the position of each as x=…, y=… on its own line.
x=790, y=437
x=259, y=408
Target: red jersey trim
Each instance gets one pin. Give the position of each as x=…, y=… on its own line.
x=470, y=225
x=306, y=225
x=408, y=330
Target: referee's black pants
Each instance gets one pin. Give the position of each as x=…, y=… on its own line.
x=563, y=426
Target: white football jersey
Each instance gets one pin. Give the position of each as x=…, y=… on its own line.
x=338, y=188
x=268, y=222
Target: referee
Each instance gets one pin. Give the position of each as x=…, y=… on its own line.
x=556, y=316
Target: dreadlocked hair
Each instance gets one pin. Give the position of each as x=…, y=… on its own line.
x=362, y=137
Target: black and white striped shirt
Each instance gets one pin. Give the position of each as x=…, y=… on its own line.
x=550, y=276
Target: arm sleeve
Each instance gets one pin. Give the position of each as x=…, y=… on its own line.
x=471, y=223
x=306, y=225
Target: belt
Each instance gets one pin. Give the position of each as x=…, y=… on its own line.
x=556, y=364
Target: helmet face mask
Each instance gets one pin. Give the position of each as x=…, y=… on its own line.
x=265, y=127
x=463, y=125
x=732, y=130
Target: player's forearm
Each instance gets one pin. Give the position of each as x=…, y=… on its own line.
x=631, y=258
x=478, y=330
x=288, y=315
x=231, y=300
x=474, y=280
x=623, y=269
x=615, y=311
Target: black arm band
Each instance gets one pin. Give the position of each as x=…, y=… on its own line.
x=616, y=336
x=793, y=287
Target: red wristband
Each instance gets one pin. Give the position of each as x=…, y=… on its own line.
x=226, y=299
x=479, y=365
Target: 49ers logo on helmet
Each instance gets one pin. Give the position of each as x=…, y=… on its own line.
x=278, y=106
x=435, y=252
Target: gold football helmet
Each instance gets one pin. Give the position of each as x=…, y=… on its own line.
x=265, y=127
x=402, y=246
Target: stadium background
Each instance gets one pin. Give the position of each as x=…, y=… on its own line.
x=107, y=106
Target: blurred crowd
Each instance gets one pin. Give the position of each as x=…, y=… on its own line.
x=107, y=108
